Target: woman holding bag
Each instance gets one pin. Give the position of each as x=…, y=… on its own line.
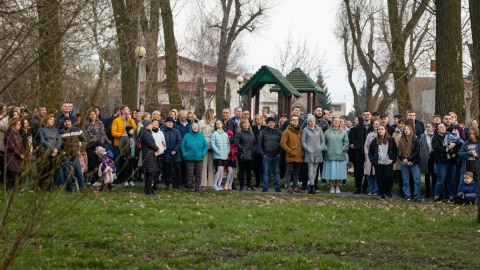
x=246, y=145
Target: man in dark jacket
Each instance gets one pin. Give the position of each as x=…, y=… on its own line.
x=183, y=126
x=66, y=111
x=268, y=146
x=386, y=123
x=228, y=122
x=73, y=144
x=419, y=127
x=171, y=157
x=358, y=142
x=295, y=112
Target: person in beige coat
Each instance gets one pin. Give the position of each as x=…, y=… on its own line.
x=369, y=169
x=291, y=144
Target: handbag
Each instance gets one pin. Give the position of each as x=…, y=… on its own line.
x=247, y=155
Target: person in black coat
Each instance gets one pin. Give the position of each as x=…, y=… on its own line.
x=445, y=163
x=150, y=151
x=171, y=163
x=383, y=153
x=358, y=142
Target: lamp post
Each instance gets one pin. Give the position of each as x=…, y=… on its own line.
x=139, y=53
x=240, y=80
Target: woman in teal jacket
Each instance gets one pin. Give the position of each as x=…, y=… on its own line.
x=194, y=148
x=221, y=147
x=335, y=161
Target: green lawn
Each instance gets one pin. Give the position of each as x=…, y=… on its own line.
x=232, y=230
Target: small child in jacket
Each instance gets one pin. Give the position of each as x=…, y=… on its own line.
x=232, y=161
x=129, y=157
x=106, y=168
x=450, y=138
x=467, y=190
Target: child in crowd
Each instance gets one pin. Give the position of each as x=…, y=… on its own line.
x=451, y=138
x=129, y=157
x=232, y=161
x=467, y=190
x=106, y=168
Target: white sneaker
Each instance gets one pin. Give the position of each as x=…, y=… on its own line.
x=337, y=190
x=126, y=184
x=131, y=183
x=96, y=184
x=215, y=188
x=220, y=187
x=332, y=190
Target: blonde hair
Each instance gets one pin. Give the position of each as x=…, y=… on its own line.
x=243, y=121
x=340, y=129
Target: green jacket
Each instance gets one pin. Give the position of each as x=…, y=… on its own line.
x=336, y=145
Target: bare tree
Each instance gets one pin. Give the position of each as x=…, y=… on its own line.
x=399, y=36
x=367, y=25
x=292, y=54
x=474, y=6
x=236, y=17
x=170, y=56
x=449, y=90
x=126, y=21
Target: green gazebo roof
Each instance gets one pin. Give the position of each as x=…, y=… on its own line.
x=268, y=75
x=301, y=81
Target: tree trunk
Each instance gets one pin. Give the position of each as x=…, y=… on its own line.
x=170, y=56
x=475, y=22
x=151, y=61
x=49, y=63
x=125, y=14
x=400, y=74
x=449, y=89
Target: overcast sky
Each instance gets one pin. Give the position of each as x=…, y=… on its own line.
x=313, y=20
x=310, y=20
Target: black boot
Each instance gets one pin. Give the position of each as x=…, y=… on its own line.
x=311, y=189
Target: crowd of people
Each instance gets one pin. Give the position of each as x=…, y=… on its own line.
x=49, y=148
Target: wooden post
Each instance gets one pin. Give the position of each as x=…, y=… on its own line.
x=309, y=102
x=250, y=99
x=257, y=103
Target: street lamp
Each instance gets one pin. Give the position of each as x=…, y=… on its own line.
x=139, y=53
x=240, y=80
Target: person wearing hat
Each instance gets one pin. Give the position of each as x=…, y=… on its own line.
x=171, y=157
x=150, y=151
x=291, y=144
x=74, y=142
x=194, y=149
x=268, y=147
x=313, y=142
x=375, y=116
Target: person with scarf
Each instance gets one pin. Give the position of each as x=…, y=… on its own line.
x=369, y=169
x=427, y=163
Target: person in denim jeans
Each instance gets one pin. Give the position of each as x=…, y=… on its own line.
x=408, y=153
x=74, y=142
x=445, y=166
x=268, y=146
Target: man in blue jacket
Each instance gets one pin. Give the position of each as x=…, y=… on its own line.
x=171, y=157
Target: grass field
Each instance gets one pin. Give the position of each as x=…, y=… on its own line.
x=232, y=230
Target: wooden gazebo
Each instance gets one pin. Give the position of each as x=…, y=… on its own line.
x=304, y=85
x=268, y=75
